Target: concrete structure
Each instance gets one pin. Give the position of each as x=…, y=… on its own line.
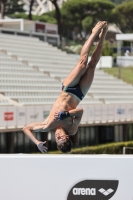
x=124, y=60
x=112, y=31
x=27, y=55
x=31, y=74
x=44, y=31
x=43, y=6
x=40, y=176
x=28, y=25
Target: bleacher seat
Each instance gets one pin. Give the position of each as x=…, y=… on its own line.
x=5, y=101
x=31, y=72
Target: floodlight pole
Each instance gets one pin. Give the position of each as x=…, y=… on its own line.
x=131, y=45
x=119, y=54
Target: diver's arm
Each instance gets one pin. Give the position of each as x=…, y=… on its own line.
x=77, y=113
x=29, y=128
x=36, y=127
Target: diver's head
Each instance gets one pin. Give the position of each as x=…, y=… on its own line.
x=63, y=141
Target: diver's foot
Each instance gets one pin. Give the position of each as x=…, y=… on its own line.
x=103, y=31
x=98, y=27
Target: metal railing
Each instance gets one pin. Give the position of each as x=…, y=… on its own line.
x=46, y=37
x=124, y=149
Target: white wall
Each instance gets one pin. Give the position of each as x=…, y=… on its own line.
x=13, y=117
x=125, y=61
x=104, y=62
x=15, y=26
x=50, y=177
x=27, y=25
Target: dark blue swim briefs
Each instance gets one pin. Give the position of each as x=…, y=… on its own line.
x=74, y=90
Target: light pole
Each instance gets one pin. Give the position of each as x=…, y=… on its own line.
x=118, y=57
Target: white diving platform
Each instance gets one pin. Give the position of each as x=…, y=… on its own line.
x=43, y=176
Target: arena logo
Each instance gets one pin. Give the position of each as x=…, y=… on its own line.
x=93, y=190
x=84, y=191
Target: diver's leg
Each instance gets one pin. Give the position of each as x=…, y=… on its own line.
x=87, y=78
x=81, y=67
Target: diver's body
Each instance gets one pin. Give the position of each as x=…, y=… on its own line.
x=74, y=88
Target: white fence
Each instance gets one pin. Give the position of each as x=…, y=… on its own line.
x=47, y=37
x=16, y=117
x=49, y=177
x=125, y=61
x=104, y=62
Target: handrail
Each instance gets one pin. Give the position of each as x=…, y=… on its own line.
x=46, y=36
x=124, y=149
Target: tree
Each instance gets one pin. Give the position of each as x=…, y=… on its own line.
x=30, y=9
x=77, y=13
x=10, y=6
x=58, y=18
x=2, y=6
x=117, y=1
x=124, y=12
x=46, y=17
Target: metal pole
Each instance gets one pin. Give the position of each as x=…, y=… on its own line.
x=124, y=150
x=131, y=45
x=119, y=54
x=22, y=25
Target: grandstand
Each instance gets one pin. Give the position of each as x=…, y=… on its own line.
x=32, y=72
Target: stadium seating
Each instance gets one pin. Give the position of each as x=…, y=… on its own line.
x=31, y=72
x=5, y=101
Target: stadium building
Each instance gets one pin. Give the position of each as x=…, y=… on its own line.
x=31, y=79
x=40, y=7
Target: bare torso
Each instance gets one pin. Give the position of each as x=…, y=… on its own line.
x=65, y=102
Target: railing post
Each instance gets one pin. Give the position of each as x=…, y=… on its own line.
x=45, y=36
x=30, y=33
x=119, y=54
x=124, y=150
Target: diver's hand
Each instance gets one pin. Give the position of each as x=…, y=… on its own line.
x=61, y=115
x=41, y=147
x=56, y=116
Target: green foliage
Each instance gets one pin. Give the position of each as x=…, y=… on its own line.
x=117, y=1
x=125, y=13
x=76, y=49
x=114, y=17
x=126, y=73
x=79, y=16
x=18, y=16
x=43, y=18
x=112, y=148
x=84, y=14
x=13, y=6
x=107, y=50
x=84, y=8
x=87, y=23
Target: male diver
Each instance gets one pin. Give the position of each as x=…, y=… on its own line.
x=65, y=117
